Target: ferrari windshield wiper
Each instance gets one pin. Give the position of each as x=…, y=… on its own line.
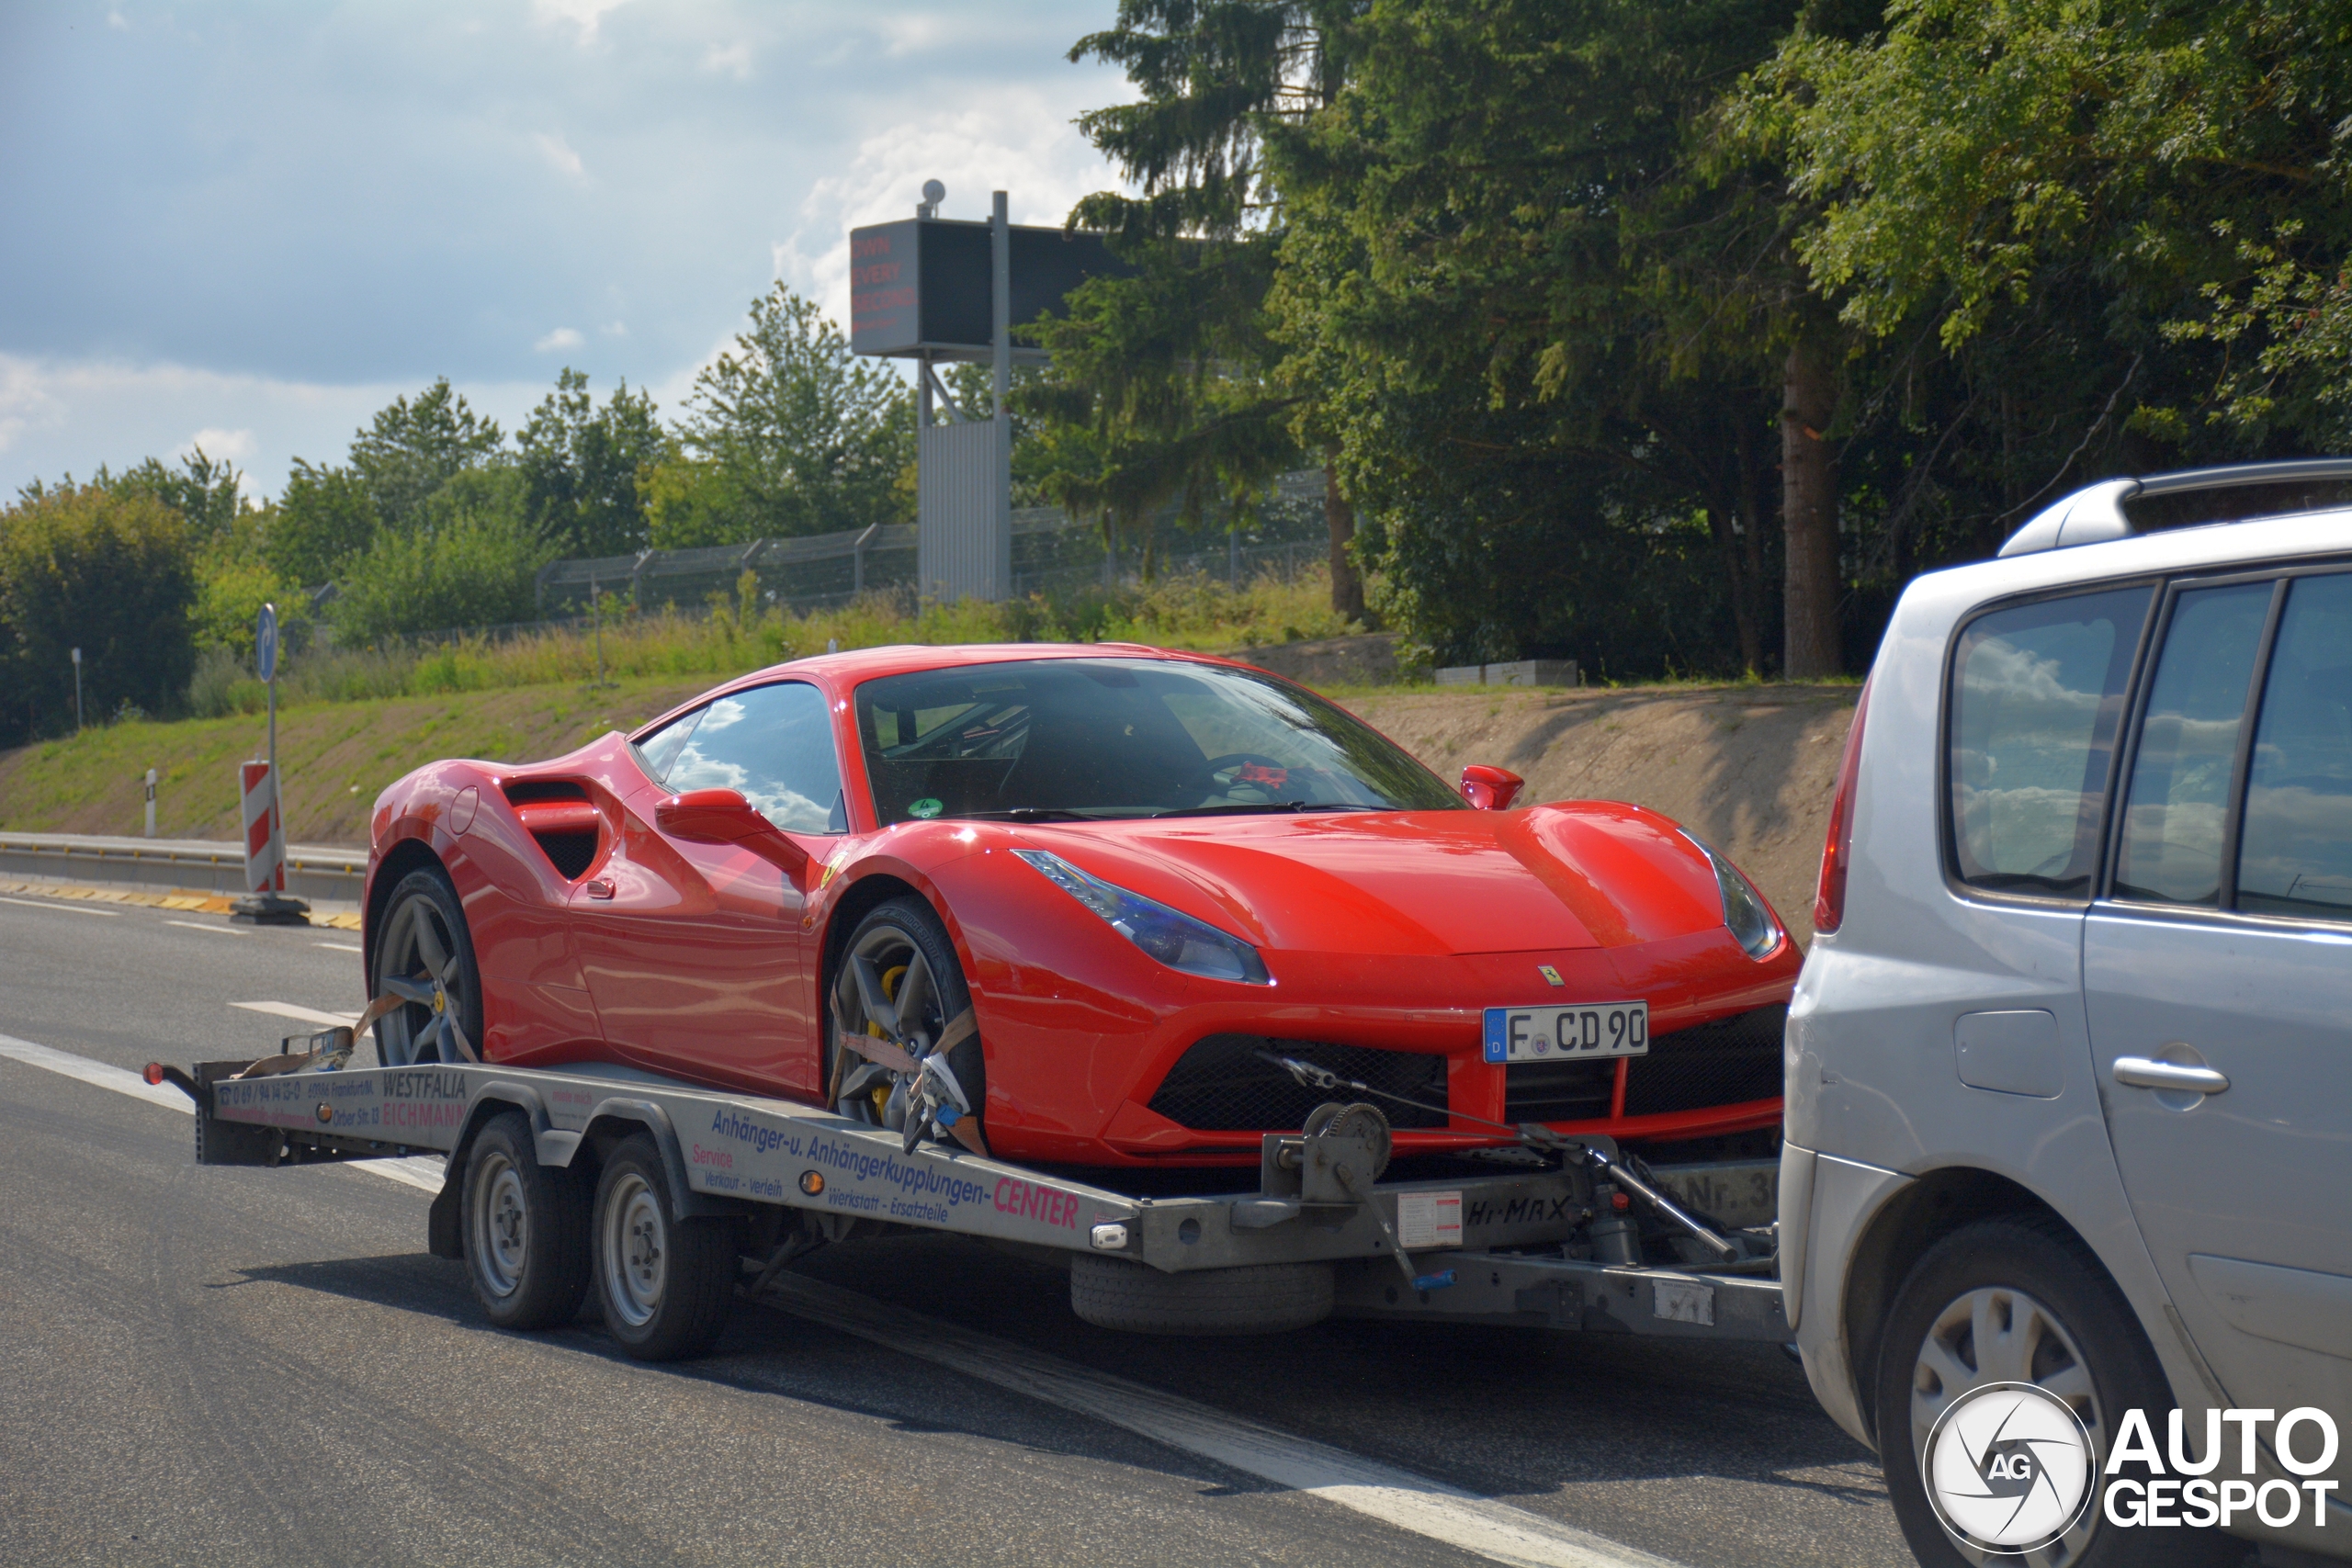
x=1028, y=814
x=1260, y=809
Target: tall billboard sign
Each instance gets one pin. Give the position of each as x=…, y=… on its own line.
x=920, y=287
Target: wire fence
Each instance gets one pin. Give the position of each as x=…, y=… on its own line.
x=1281, y=531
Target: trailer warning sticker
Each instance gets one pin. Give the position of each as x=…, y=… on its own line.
x=1428, y=1219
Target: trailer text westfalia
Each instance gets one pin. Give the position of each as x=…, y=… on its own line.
x=665, y=1199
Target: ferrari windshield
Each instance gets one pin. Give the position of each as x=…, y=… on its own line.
x=1076, y=738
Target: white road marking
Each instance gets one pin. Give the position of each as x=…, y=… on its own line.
x=421, y=1171
x=1481, y=1526
x=199, y=926
x=65, y=908
x=338, y=947
x=301, y=1014
x=1398, y=1498
x=424, y=1172
x=99, y=1073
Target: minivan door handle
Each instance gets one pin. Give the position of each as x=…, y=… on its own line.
x=2142, y=1072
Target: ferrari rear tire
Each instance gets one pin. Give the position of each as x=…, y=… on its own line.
x=525, y=1229
x=666, y=1285
x=912, y=954
x=1256, y=1298
x=423, y=938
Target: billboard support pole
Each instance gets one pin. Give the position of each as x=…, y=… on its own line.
x=1000, y=338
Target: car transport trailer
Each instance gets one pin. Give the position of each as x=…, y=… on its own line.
x=666, y=1199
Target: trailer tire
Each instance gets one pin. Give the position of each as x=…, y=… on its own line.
x=1256, y=1298
x=525, y=1229
x=666, y=1285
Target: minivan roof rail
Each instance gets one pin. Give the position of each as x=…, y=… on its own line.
x=2118, y=509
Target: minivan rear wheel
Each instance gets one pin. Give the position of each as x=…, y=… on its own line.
x=2019, y=1299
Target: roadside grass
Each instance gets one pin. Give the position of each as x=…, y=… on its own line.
x=351, y=721
x=335, y=758
x=731, y=636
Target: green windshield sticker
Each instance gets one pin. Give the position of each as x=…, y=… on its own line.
x=926, y=808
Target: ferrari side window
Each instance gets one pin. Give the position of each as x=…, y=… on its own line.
x=776, y=745
x=661, y=748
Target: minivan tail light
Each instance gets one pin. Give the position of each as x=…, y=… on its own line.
x=1837, y=851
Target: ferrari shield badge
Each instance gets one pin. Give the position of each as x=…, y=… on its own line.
x=1551, y=975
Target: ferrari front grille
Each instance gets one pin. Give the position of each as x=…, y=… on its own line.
x=1729, y=1062
x=1222, y=1085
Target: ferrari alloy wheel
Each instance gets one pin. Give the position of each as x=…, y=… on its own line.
x=426, y=956
x=666, y=1284
x=898, y=984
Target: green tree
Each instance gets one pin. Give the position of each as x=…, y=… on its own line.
x=82, y=566
x=790, y=433
x=204, y=491
x=414, y=448
x=471, y=560
x=323, y=519
x=1511, y=273
x=1165, y=378
x=2165, y=181
x=580, y=466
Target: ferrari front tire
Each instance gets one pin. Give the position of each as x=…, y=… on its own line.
x=666, y=1285
x=1256, y=1298
x=525, y=1229
x=908, y=954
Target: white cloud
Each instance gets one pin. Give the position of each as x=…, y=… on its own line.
x=557, y=152
x=586, y=18
x=69, y=416
x=1019, y=140
x=118, y=21
x=614, y=328
x=731, y=60
x=562, y=337
x=236, y=445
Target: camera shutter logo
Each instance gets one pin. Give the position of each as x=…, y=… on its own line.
x=2009, y=1468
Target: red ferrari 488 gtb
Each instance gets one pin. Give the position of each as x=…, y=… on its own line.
x=1074, y=905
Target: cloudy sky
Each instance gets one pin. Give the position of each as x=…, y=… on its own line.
x=252, y=225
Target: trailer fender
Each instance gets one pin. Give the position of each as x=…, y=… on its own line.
x=620, y=1117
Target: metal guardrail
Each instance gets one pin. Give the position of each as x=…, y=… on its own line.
x=313, y=872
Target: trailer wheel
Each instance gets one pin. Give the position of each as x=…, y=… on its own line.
x=1256, y=1298
x=666, y=1285
x=525, y=1229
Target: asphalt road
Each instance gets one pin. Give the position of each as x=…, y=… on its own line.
x=265, y=1367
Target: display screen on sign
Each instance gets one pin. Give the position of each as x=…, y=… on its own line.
x=922, y=284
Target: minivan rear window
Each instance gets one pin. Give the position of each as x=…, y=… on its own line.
x=2037, y=698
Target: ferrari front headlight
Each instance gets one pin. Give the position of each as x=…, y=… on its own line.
x=1746, y=914
x=1168, y=935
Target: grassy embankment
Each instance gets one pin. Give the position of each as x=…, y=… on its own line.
x=350, y=722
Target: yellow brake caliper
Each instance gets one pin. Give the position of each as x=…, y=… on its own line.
x=890, y=981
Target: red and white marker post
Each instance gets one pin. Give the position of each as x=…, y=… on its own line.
x=265, y=903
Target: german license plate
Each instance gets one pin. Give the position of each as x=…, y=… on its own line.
x=1579, y=1033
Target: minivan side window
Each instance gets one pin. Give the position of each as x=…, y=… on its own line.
x=2037, y=698
x=775, y=744
x=2296, y=855
x=2175, y=814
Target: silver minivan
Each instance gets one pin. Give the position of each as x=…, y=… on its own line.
x=2070, y=1062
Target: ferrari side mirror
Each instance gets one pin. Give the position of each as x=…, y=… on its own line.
x=724, y=817
x=1490, y=789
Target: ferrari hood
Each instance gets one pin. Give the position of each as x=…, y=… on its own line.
x=1587, y=874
